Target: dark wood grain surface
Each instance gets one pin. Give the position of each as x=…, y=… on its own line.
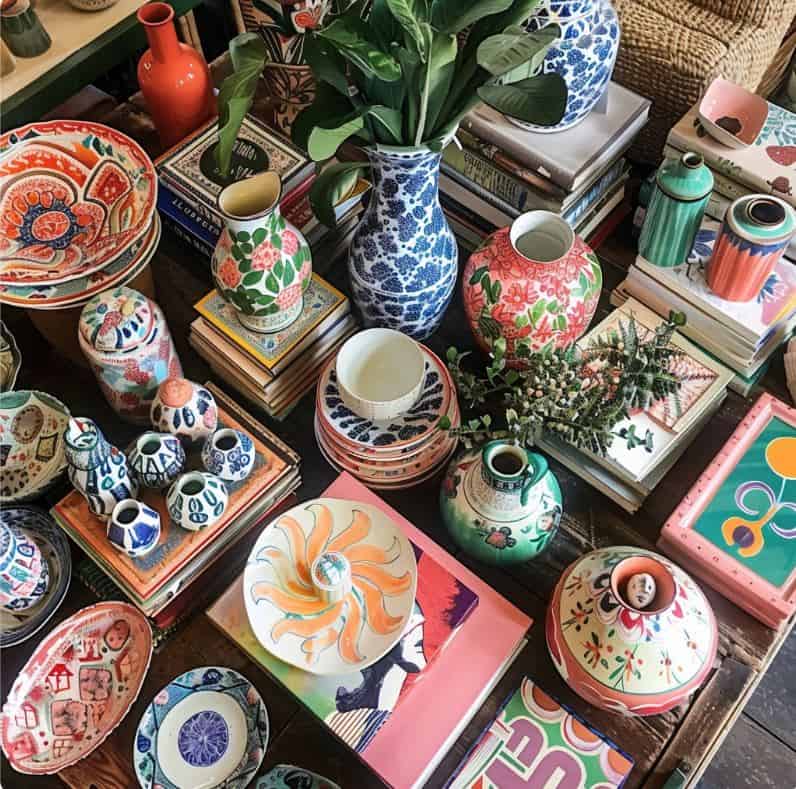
x=689, y=735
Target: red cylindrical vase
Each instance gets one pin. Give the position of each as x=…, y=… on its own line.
x=174, y=77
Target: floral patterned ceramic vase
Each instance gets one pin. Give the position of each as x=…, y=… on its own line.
x=625, y=659
x=127, y=342
x=229, y=454
x=133, y=528
x=184, y=409
x=197, y=500
x=536, y=283
x=262, y=264
x=403, y=260
x=97, y=469
x=501, y=503
x=584, y=55
x=156, y=459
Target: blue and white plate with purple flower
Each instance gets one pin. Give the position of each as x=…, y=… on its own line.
x=206, y=728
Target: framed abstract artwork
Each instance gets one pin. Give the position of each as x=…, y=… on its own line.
x=736, y=527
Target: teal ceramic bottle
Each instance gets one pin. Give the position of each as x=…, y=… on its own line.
x=682, y=190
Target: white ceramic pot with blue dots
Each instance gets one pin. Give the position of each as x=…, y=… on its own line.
x=197, y=500
x=229, y=454
x=403, y=260
x=134, y=528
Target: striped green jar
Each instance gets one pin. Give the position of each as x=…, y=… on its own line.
x=682, y=190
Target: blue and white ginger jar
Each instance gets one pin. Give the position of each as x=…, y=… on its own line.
x=229, y=454
x=133, y=528
x=403, y=260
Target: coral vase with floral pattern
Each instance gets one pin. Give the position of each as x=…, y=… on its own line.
x=535, y=283
x=262, y=264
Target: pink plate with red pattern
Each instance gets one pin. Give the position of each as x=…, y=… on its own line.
x=74, y=196
x=76, y=688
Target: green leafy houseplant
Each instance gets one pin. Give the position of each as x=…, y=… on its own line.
x=574, y=394
x=402, y=73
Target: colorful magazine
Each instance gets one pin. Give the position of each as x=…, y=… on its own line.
x=469, y=632
x=535, y=741
x=736, y=527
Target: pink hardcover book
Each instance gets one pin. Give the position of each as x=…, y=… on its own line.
x=736, y=527
x=460, y=678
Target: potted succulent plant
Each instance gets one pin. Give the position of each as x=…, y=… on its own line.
x=398, y=76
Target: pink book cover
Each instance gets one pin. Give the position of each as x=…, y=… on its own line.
x=460, y=663
x=736, y=527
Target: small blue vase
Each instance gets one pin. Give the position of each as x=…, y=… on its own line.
x=229, y=454
x=156, y=459
x=403, y=260
x=133, y=528
x=197, y=500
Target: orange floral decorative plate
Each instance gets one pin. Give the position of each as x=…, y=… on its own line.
x=330, y=585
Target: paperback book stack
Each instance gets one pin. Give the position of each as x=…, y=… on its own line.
x=273, y=370
x=502, y=170
x=742, y=335
x=168, y=576
x=189, y=183
x=628, y=475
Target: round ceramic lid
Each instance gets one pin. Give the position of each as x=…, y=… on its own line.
x=292, y=613
x=762, y=219
x=117, y=320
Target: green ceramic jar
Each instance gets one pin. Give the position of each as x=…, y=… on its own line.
x=501, y=504
x=681, y=193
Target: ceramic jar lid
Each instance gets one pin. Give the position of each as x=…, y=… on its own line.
x=117, y=320
x=762, y=219
x=621, y=658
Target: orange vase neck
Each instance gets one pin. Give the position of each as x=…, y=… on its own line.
x=158, y=22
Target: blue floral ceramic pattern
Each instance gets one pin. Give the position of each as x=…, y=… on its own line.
x=404, y=260
x=233, y=462
x=584, y=55
x=170, y=745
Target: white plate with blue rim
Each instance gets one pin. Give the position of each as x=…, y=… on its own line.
x=206, y=728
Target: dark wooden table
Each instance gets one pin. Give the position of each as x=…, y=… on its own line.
x=686, y=737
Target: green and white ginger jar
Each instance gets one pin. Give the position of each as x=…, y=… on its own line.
x=262, y=264
x=501, y=503
x=678, y=202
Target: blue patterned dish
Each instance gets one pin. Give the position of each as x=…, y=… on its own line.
x=208, y=727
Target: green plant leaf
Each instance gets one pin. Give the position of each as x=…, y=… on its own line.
x=329, y=109
x=410, y=67
x=452, y=16
x=352, y=38
x=442, y=69
x=388, y=94
x=516, y=50
x=326, y=64
x=248, y=55
x=540, y=100
x=388, y=124
x=323, y=143
x=517, y=13
x=404, y=12
x=331, y=186
x=384, y=25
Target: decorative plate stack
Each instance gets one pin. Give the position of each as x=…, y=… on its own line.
x=77, y=213
x=394, y=452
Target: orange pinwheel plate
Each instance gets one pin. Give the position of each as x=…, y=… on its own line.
x=330, y=585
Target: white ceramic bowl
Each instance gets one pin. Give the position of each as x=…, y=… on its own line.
x=380, y=373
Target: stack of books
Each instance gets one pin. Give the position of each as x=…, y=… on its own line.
x=742, y=335
x=626, y=475
x=189, y=183
x=274, y=370
x=170, y=572
x=498, y=170
x=449, y=660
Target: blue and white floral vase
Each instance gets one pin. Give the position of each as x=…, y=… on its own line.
x=197, y=500
x=156, y=459
x=97, y=469
x=133, y=528
x=584, y=55
x=403, y=260
x=229, y=454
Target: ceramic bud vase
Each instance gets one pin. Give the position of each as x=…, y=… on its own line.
x=97, y=469
x=753, y=237
x=229, y=454
x=675, y=211
x=133, y=528
x=584, y=55
x=403, y=260
x=534, y=283
x=174, y=77
x=156, y=459
x=184, y=409
x=127, y=342
x=501, y=504
x=24, y=574
x=619, y=657
x=261, y=264
x=197, y=500
x=21, y=30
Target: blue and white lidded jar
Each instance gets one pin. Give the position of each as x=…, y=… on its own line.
x=197, y=500
x=133, y=528
x=156, y=459
x=184, y=409
x=229, y=454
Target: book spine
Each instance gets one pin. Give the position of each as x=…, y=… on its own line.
x=180, y=210
x=508, y=210
x=599, y=188
x=185, y=235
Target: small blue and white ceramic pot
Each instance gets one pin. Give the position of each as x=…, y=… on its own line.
x=197, y=500
x=156, y=459
x=134, y=528
x=184, y=409
x=229, y=454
